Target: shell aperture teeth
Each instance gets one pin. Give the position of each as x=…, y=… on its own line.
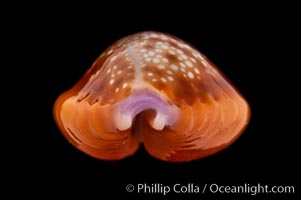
x=159, y=122
x=125, y=111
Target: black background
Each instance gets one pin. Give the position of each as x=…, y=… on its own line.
x=252, y=48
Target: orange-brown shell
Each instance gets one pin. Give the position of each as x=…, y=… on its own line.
x=153, y=88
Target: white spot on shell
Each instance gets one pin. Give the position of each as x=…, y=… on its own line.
x=165, y=60
x=116, y=90
x=183, y=56
x=196, y=70
x=161, y=67
x=119, y=72
x=111, y=81
x=142, y=50
x=109, y=71
x=182, y=65
x=153, y=35
x=96, y=74
x=169, y=72
x=170, y=78
x=151, y=53
x=180, y=51
x=124, y=85
x=150, y=73
x=109, y=52
x=181, y=45
x=193, y=60
x=195, y=54
x=113, y=58
x=188, y=63
x=204, y=63
x=164, y=47
x=174, y=67
x=173, y=40
x=156, y=60
x=201, y=57
x=163, y=79
x=187, y=46
x=171, y=52
x=190, y=75
x=154, y=80
x=159, y=43
x=163, y=37
x=158, y=50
